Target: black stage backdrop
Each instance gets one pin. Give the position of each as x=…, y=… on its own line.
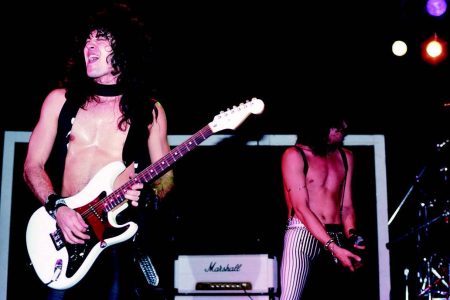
x=228, y=200
x=210, y=57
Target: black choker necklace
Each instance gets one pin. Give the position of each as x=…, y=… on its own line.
x=107, y=90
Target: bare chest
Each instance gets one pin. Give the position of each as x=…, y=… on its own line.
x=327, y=172
x=97, y=126
x=94, y=141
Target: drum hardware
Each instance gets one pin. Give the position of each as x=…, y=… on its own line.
x=406, y=273
x=418, y=229
x=433, y=278
x=443, y=169
x=432, y=273
x=442, y=144
x=417, y=181
x=427, y=275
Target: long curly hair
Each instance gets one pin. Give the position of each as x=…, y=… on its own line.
x=131, y=60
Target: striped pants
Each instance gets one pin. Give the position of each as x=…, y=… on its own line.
x=301, y=250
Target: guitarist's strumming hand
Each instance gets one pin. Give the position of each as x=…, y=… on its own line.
x=72, y=225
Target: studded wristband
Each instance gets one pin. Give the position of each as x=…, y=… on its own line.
x=53, y=202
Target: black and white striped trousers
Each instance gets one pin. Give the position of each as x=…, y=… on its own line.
x=300, y=251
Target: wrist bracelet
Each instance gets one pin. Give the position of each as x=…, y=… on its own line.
x=327, y=244
x=59, y=203
x=50, y=201
x=53, y=202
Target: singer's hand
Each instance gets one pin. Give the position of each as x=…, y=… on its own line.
x=346, y=258
x=357, y=240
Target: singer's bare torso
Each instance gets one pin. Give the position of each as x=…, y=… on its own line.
x=324, y=182
x=95, y=140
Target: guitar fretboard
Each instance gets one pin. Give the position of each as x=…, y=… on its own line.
x=156, y=169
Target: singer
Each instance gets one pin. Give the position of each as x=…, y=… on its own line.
x=317, y=178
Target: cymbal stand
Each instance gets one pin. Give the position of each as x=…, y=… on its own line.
x=432, y=282
x=418, y=177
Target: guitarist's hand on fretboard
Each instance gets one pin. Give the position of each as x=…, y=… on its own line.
x=134, y=193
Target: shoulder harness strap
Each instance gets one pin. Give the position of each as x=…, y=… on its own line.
x=305, y=161
x=344, y=159
x=305, y=166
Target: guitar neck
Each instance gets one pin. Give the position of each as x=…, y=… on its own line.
x=156, y=169
x=229, y=119
x=159, y=167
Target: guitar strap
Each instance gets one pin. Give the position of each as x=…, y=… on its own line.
x=147, y=216
x=344, y=159
x=136, y=148
x=57, y=159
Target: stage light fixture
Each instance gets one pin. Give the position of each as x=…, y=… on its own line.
x=399, y=48
x=434, y=50
x=436, y=8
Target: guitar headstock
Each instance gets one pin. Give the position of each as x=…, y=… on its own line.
x=233, y=117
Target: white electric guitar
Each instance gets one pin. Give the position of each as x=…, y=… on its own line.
x=61, y=265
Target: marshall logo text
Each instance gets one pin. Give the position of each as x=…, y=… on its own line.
x=213, y=268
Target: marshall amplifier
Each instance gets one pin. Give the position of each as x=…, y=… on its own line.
x=226, y=276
